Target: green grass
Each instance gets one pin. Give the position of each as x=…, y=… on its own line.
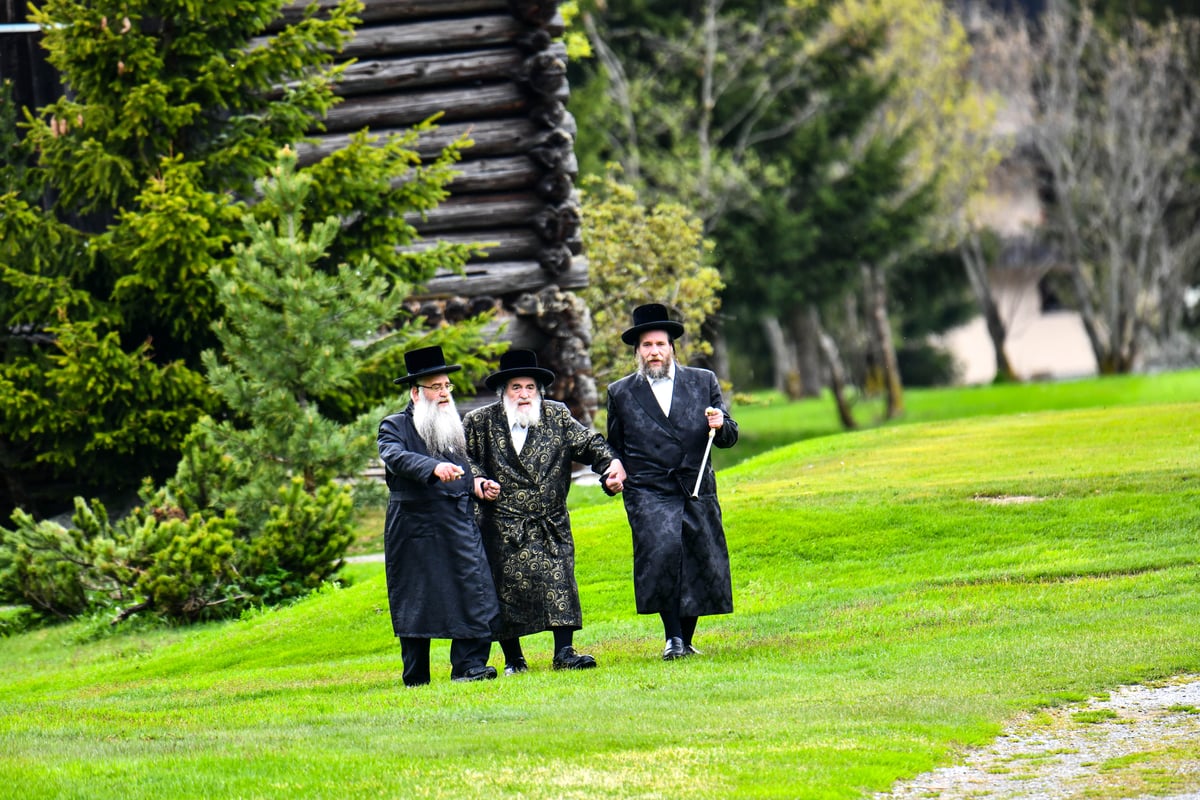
x=900, y=593
x=766, y=421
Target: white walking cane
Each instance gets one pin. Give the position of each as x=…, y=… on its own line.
x=704, y=461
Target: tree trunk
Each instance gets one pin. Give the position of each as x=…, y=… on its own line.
x=718, y=362
x=856, y=355
x=972, y=256
x=784, y=359
x=1090, y=319
x=808, y=356
x=875, y=285
x=837, y=375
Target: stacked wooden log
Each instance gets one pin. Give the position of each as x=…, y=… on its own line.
x=494, y=70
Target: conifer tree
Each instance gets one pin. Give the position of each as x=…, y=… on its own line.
x=293, y=333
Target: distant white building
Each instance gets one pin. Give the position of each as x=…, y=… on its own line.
x=1042, y=344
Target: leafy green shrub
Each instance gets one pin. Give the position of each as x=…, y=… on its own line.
x=642, y=254
x=16, y=619
x=160, y=560
x=43, y=565
x=191, y=574
x=305, y=538
x=925, y=365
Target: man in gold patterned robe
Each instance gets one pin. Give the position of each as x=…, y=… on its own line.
x=521, y=449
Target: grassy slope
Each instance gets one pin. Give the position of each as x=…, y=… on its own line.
x=889, y=611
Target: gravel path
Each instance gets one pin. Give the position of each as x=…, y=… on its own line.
x=1139, y=742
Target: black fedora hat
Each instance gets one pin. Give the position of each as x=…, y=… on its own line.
x=425, y=361
x=651, y=317
x=519, y=364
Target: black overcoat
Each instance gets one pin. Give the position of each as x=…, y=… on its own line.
x=680, y=559
x=439, y=583
x=527, y=530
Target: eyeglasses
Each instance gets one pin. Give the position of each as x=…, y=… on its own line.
x=438, y=388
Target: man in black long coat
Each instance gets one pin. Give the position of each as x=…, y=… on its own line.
x=659, y=422
x=439, y=583
x=521, y=449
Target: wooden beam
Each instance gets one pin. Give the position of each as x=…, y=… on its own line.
x=503, y=278
x=514, y=244
x=427, y=36
x=434, y=35
x=382, y=10
x=490, y=137
x=438, y=69
x=480, y=211
x=496, y=174
x=409, y=108
x=433, y=69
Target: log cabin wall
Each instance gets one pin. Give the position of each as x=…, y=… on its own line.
x=495, y=71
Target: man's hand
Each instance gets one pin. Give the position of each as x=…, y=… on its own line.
x=486, y=489
x=716, y=417
x=614, y=481
x=446, y=471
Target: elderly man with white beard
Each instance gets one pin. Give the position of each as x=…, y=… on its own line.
x=521, y=448
x=438, y=580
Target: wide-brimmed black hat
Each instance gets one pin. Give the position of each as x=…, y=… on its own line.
x=519, y=364
x=425, y=361
x=651, y=317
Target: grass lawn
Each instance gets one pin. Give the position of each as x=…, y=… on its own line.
x=900, y=593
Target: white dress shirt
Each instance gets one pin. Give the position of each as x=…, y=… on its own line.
x=519, y=434
x=663, y=388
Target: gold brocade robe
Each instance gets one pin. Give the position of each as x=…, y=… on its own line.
x=527, y=530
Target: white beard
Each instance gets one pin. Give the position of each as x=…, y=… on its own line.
x=439, y=426
x=655, y=372
x=527, y=417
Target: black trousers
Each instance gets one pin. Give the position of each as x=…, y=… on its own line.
x=464, y=654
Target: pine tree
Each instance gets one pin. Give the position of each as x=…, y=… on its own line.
x=292, y=334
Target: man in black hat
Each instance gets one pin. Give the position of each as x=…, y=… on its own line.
x=661, y=420
x=439, y=583
x=521, y=449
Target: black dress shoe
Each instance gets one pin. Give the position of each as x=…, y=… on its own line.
x=567, y=658
x=483, y=673
x=688, y=650
x=674, y=649
x=516, y=667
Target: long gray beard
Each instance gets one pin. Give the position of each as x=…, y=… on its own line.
x=526, y=419
x=654, y=373
x=439, y=427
